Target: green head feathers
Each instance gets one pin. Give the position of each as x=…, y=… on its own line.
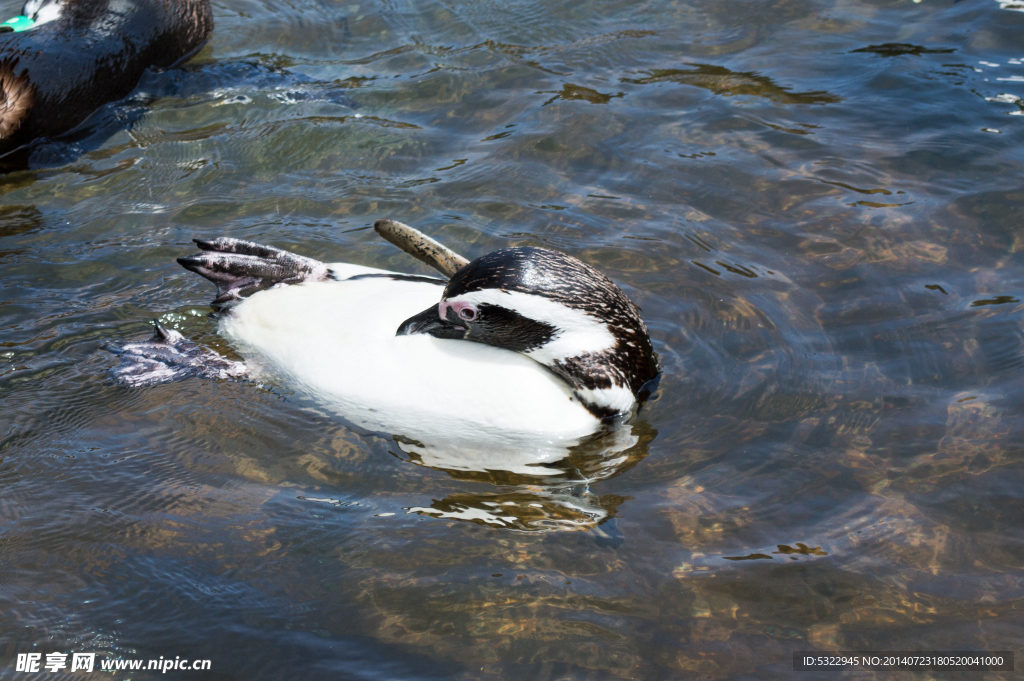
x=17, y=24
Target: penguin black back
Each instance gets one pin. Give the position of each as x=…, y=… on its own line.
x=53, y=76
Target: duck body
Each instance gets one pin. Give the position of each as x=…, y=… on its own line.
x=335, y=341
x=82, y=54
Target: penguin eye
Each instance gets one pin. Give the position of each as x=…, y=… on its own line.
x=467, y=313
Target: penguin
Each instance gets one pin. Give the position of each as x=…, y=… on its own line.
x=63, y=59
x=522, y=344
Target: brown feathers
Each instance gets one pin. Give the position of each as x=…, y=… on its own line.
x=17, y=95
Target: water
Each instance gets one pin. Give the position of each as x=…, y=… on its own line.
x=816, y=204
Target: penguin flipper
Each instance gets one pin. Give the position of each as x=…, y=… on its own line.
x=241, y=268
x=169, y=356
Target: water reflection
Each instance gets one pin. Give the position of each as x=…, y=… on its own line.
x=900, y=49
x=548, y=488
x=1012, y=5
x=594, y=458
x=578, y=92
x=17, y=220
x=218, y=83
x=538, y=509
x=723, y=81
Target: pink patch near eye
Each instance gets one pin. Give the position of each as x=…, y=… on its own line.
x=466, y=311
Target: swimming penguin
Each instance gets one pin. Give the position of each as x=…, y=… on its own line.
x=522, y=344
x=62, y=59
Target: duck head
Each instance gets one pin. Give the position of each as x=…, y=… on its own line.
x=556, y=310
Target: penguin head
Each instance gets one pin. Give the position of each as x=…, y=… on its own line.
x=556, y=310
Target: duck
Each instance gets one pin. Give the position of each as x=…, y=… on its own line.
x=60, y=60
x=521, y=347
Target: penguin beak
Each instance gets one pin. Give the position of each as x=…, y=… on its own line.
x=429, y=322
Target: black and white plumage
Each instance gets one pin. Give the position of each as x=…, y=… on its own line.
x=559, y=348
x=555, y=310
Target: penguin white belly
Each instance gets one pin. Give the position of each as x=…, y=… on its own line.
x=336, y=341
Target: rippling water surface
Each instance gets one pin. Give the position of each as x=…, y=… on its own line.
x=817, y=205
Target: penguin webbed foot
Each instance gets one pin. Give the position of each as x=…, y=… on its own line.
x=169, y=356
x=240, y=268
